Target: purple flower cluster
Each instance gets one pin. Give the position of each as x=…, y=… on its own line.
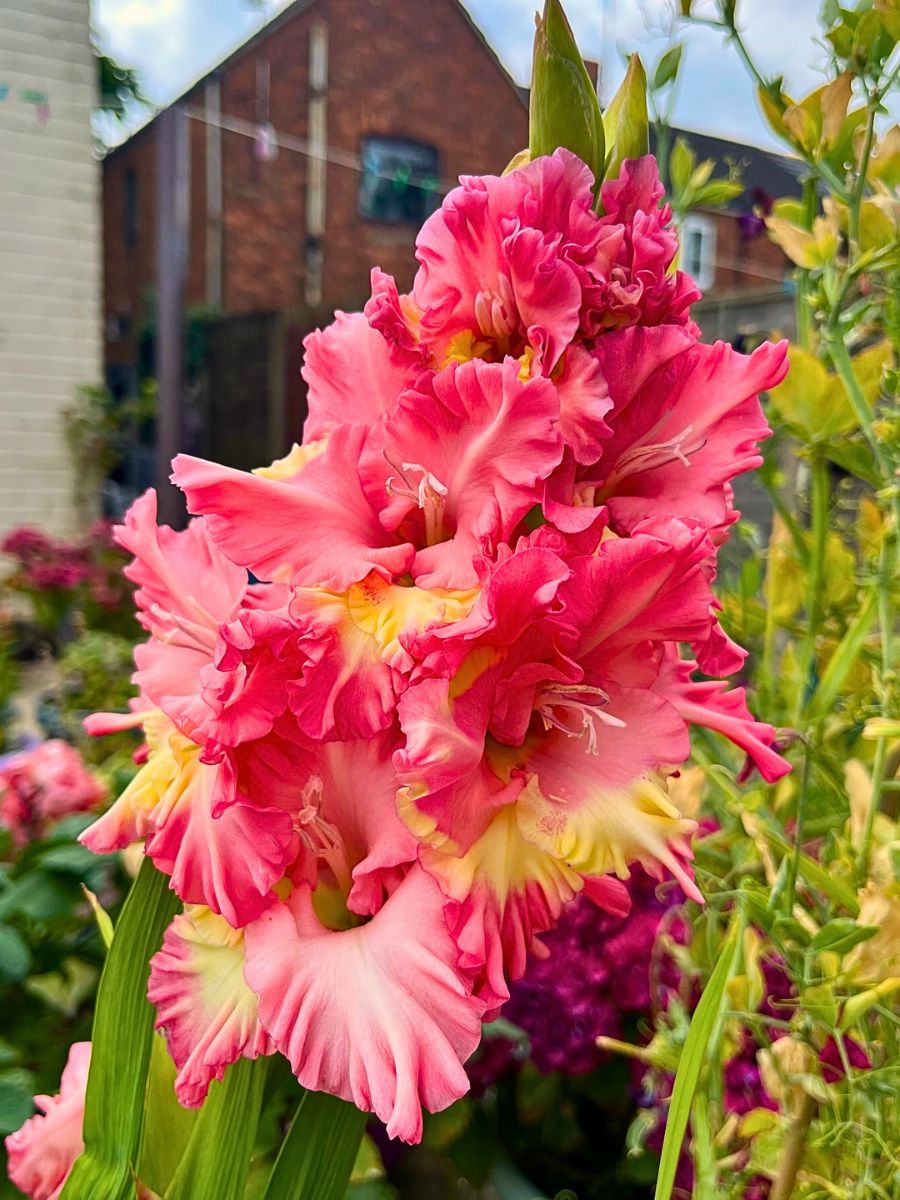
x=597, y=976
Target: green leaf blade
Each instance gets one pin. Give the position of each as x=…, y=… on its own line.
x=122, y=1039
x=692, y=1056
x=318, y=1152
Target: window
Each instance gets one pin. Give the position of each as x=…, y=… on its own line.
x=130, y=208
x=399, y=180
x=698, y=249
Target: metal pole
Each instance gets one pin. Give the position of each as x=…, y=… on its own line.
x=173, y=203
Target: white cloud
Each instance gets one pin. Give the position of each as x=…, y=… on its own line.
x=171, y=42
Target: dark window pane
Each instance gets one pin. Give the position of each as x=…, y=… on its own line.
x=399, y=180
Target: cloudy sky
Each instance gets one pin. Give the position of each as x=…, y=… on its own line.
x=171, y=42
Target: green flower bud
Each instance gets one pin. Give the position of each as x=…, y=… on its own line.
x=564, y=108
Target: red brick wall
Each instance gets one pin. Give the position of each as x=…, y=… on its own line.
x=741, y=265
x=406, y=68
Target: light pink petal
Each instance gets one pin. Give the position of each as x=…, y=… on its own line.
x=316, y=529
x=204, y=1007
x=352, y=375
x=377, y=1015
x=41, y=1154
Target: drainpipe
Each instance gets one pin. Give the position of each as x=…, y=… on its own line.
x=316, y=163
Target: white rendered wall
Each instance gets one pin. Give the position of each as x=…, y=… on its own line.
x=50, y=251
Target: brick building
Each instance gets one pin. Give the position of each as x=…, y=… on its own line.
x=272, y=227
x=316, y=149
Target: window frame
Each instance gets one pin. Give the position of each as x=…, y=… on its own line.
x=430, y=200
x=705, y=226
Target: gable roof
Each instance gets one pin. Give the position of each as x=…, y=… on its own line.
x=761, y=170
x=277, y=22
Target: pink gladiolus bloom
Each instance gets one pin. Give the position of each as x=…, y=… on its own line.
x=456, y=702
x=41, y=1154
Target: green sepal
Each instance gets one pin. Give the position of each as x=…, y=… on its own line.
x=625, y=121
x=564, y=109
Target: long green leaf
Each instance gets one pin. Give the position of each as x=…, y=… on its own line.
x=122, y=1037
x=167, y=1126
x=318, y=1152
x=845, y=655
x=703, y=1023
x=217, y=1159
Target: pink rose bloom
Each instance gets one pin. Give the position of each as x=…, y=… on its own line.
x=41, y=1154
x=40, y=785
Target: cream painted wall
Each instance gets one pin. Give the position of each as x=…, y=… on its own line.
x=50, y=251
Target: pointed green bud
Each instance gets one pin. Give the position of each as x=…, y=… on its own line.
x=625, y=121
x=564, y=108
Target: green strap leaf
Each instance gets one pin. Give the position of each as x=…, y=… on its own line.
x=703, y=1023
x=844, y=658
x=122, y=1037
x=318, y=1152
x=217, y=1159
x=167, y=1126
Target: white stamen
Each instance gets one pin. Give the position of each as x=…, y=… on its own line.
x=428, y=494
x=562, y=704
x=320, y=836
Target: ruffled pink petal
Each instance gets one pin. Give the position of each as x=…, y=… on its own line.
x=480, y=253
x=712, y=704
x=502, y=893
x=245, y=687
x=41, y=1154
x=458, y=465
x=693, y=425
x=228, y=862
x=316, y=529
x=591, y=800
x=186, y=588
x=653, y=587
x=377, y=1015
x=584, y=401
x=352, y=375
x=449, y=793
x=205, y=1009
x=350, y=795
